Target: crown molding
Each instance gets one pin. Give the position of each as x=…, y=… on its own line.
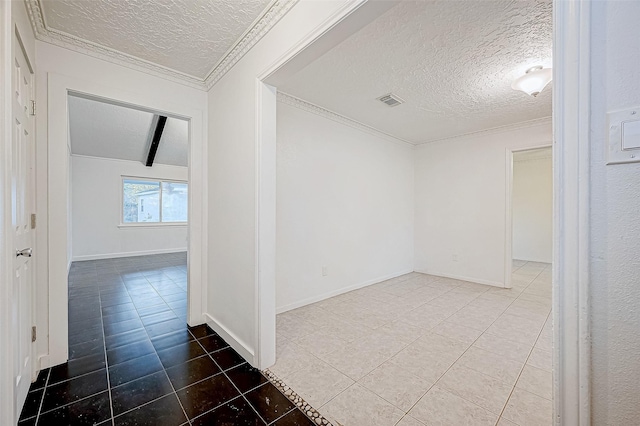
x=260, y=27
x=271, y=16
x=499, y=129
x=287, y=99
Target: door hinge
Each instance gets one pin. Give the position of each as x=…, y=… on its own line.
x=33, y=107
x=33, y=221
x=33, y=333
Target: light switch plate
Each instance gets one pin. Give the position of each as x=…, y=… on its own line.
x=623, y=144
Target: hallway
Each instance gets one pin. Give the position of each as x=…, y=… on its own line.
x=133, y=360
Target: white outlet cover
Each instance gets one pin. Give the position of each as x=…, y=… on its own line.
x=623, y=144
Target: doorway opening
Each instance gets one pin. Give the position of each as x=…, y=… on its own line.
x=530, y=215
x=128, y=227
x=124, y=182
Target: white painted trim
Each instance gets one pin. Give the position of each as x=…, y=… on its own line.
x=58, y=89
x=7, y=390
x=461, y=278
x=508, y=232
x=126, y=254
x=229, y=336
x=142, y=225
x=265, y=280
x=256, y=31
x=291, y=100
x=571, y=125
x=338, y=292
x=508, y=220
x=43, y=361
x=494, y=130
x=281, y=72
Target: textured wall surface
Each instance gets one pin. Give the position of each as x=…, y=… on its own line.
x=190, y=36
x=453, y=63
x=615, y=230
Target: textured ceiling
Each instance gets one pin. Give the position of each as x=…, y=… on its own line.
x=104, y=130
x=191, y=41
x=451, y=61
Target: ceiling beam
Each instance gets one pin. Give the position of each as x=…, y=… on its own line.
x=157, y=135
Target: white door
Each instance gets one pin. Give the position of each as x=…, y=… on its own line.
x=22, y=201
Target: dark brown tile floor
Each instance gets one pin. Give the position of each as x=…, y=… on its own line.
x=134, y=361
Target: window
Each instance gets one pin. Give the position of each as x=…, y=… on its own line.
x=154, y=201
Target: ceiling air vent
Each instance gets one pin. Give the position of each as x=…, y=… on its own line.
x=391, y=100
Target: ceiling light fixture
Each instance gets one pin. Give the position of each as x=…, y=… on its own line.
x=534, y=80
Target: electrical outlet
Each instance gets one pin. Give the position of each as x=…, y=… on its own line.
x=324, y=271
x=454, y=257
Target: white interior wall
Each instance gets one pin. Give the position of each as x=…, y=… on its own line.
x=532, y=204
x=235, y=308
x=615, y=232
x=460, y=198
x=344, y=202
x=97, y=211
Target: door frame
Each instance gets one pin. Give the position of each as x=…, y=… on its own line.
x=571, y=164
x=508, y=232
x=58, y=90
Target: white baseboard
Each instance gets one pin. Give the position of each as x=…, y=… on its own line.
x=338, y=292
x=234, y=341
x=44, y=361
x=461, y=278
x=126, y=254
x=536, y=260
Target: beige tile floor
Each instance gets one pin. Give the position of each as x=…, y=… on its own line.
x=423, y=350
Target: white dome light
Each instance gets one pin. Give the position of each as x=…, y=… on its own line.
x=533, y=81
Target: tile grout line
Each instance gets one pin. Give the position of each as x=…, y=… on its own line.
x=470, y=301
x=471, y=345
x=96, y=285
x=242, y=394
x=156, y=352
x=106, y=360
x=222, y=370
x=514, y=384
x=527, y=359
x=520, y=374
x=44, y=391
x=404, y=347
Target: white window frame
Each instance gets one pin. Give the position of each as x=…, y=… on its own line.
x=159, y=224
